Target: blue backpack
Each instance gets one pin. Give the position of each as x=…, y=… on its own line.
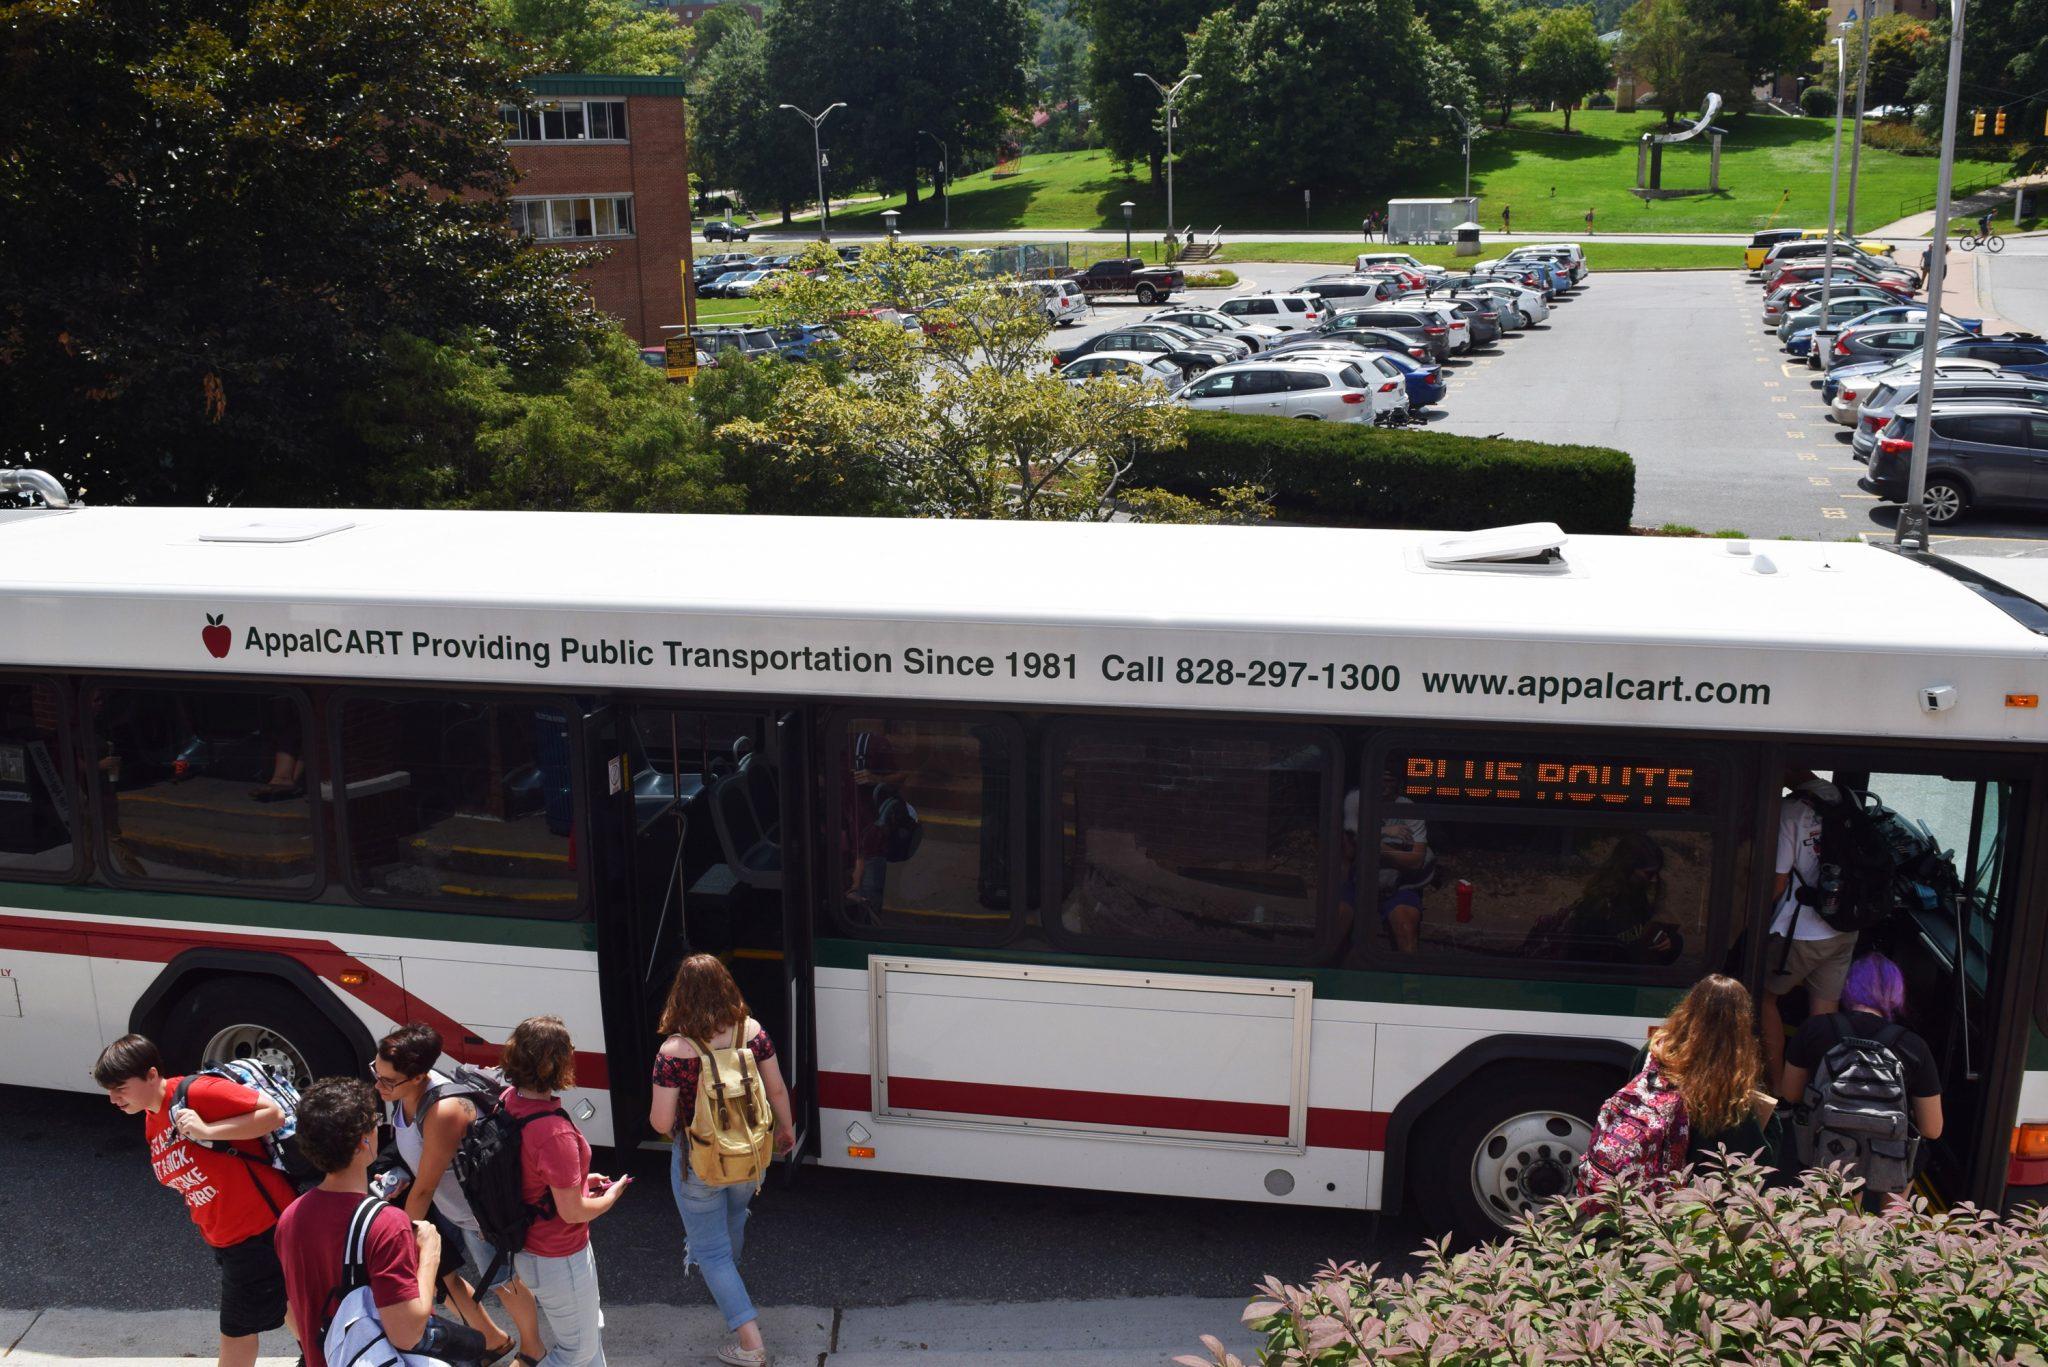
x=281, y=1145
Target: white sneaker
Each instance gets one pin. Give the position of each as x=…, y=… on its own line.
x=743, y=1357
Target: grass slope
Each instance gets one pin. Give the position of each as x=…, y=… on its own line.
x=1550, y=178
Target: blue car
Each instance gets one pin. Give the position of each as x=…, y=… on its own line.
x=2017, y=353
x=1425, y=379
x=1800, y=343
x=797, y=343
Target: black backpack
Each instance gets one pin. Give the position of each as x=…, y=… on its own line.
x=488, y=1169
x=1855, y=1111
x=902, y=831
x=1873, y=862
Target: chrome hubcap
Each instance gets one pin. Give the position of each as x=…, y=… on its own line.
x=1525, y=1161
x=260, y=1044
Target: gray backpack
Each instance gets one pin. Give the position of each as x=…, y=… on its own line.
x=1856, y=1111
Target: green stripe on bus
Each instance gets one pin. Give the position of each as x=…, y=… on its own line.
x=1337, y=984
x=252, y=913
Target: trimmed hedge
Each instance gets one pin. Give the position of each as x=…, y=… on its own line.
x=1352, y=475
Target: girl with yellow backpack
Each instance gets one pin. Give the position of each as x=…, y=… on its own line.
x=719, y=1095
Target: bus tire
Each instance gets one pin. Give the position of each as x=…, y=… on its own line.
x=1502, y=1144
x=241, y=1016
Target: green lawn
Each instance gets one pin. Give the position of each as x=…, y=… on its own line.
x=1773, y=170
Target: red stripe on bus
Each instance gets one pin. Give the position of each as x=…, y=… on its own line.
x=1328, y=1128
x=160, y=945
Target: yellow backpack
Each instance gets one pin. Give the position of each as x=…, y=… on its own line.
x=731, y=1135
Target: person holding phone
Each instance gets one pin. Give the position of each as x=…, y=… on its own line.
x=705, y=1006
x=556, y=1265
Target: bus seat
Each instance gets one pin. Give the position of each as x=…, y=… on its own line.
x=764, y=795
x=754, y=858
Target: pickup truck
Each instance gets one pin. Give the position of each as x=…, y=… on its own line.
x=1129, y=275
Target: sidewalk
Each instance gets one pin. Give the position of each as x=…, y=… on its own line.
x=1105, y=1333
x=1968, y=206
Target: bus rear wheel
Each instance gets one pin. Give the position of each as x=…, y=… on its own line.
x=1502, y=1145
x=258, y=1019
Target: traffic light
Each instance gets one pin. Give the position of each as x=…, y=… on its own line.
x=1977, y=123
x=1998, y=123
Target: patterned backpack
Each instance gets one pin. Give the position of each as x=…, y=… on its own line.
x=1641, y=1134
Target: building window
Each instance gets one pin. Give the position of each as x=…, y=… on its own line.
x=565, y=121
x=583, y=216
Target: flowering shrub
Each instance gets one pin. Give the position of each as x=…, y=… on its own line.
x=1718, y=1269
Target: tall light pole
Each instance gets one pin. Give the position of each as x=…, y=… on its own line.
x=1862, y=89
x=1911, y=532
x=1464, y=131
x=945, y=179
x=1827, y=274
x=818, y=158
x=1170, y=95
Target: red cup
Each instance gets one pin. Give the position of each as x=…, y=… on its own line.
x=1464, y=899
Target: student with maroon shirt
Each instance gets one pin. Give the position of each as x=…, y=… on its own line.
x=234, y=1198
x=337, y=1133
x=556, y=1264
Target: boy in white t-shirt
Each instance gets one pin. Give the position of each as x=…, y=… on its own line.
x=1802, y=948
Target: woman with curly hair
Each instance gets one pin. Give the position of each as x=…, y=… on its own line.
x=1708, y=1049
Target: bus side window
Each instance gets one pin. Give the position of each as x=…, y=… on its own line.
x=1191, y=842
x=38, y=810
x=927, y=829
x=203, y=786
x=459, y=803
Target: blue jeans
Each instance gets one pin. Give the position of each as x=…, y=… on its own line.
x=714, y=1229
x=566, y=1289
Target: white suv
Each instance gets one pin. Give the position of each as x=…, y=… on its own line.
x=1064, y=302
x=1212, y=322
x=1328, y=388
x=1298, y=311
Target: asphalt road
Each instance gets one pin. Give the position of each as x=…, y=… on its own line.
x=92, y=1228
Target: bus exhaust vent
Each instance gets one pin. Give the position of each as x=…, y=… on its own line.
x=41, y=483
x=280, y=531
x=1526, y=546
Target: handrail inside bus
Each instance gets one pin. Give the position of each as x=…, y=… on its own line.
x=2008, y=600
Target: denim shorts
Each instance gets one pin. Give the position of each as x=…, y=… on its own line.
x=481, y=1252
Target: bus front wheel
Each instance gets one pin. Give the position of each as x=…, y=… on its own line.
x=1501, y=1145
x=239, y=1016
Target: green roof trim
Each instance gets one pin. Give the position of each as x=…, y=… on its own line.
x=569, y=83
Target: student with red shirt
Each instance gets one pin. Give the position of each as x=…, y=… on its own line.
x=556, y=1265
x=337, y=1133
x=234, y=1198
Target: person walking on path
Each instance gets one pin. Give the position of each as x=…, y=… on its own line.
x=210, y=1151
x=337, y=1133
x=1589, y=222
x=1506, y=212
x=705, y=1008
x=554, y=1157
x=426, y=1129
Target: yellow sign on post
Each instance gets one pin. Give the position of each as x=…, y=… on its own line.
x=679, y=358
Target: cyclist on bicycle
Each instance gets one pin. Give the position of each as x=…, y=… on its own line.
x=1984, y=224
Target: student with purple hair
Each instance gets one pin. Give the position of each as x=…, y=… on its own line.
x=1873, y=1007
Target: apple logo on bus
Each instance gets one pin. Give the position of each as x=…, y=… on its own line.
x=217, y=637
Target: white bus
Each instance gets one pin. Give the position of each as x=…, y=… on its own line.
x=1026, y=841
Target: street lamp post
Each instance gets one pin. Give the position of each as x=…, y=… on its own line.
x=1127, y=207
x=1911, y=532
x=1170, y=95
x=1827, y=274
x=945, y=178
x=889, y=217
x=1862, y=87
x=1465, y=132
x=818, y=159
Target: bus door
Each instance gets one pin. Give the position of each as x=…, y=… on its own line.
x=693, y=805
x=1959, y=954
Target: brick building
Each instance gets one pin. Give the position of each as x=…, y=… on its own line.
x=603, y=161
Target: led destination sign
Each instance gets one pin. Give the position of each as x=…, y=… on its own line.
x=1481, y=779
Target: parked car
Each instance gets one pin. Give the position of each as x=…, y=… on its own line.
x=1846, y=387
x=802, y=341
x=2020, y=353
x=1153, y=339
x=752, y=343
x=1482, y=317
x=753, y=281
x=1129, y=275
x=1427, y=329
x=1761, y=243
x=1405, y=263
x=1570, y=254
x=1527, y=302
x=1905, y=285
x=1978, y=455
x=725, y=230
x=1889, y=400
x=1325, y=388
x=1291, y=311
x=1371, y=339
x=1843, y=301
x=1135, y=366
x=1816, y=249
x=1195, y=318
x=1351, y=291
x=1423, y=379
x=719, y=285
x=1879, y=340
x=1065, y=305
x=1457, y=329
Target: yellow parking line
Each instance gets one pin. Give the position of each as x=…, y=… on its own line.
x=1796, y=436
x=1834, y=512
x=1871, y=497
x=1770, y=384
x=1819, y=479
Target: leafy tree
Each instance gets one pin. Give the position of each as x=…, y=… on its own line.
x=1285, y=88
x=219, y=213
x=2005, y=59
x=614, y=37
x=1899, y=43
x=1661, y=43
x=741, y=141
x=1684, y=48
x=712, y=27
x=1512, y=29
x=962, y=418
x=1137, y=35
x=1566, y=59
x=1058, y=70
